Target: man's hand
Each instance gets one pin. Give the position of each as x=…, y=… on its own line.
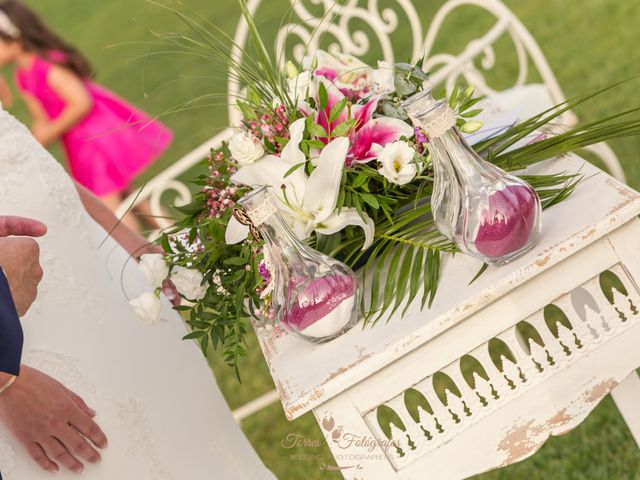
x=20, y=259
x=54, y=424
x=21, y=227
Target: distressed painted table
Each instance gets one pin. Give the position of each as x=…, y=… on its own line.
x=483, y=378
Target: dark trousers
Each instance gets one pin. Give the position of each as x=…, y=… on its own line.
x=11, y=338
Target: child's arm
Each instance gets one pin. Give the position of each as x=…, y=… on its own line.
x=131, y=241
x=6, y=99
x=77, y=99
x=38, y=115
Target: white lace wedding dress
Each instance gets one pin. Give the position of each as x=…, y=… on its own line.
x=156, y=398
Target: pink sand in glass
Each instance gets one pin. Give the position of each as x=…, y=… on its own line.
x=508, y=222
x=319, y=299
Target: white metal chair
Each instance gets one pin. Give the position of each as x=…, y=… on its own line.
x=336, y=21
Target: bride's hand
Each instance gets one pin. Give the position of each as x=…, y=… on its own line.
x=54, y=424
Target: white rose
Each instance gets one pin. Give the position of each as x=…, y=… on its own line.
x=245, y=148
x=155, y=268
x=397, y=163
x=189, y=283
x=147, y=308
x=382, y=79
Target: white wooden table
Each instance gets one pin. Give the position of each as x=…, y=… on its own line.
x=518, y=387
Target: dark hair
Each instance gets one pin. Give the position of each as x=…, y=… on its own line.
x=38, y=38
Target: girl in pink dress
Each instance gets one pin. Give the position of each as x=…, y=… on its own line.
x=107, y=141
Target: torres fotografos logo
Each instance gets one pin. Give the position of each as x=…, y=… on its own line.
x=349, y=449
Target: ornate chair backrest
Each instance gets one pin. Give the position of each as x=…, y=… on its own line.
x=358, y=27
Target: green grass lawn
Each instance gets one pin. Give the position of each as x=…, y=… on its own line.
x=588, y=43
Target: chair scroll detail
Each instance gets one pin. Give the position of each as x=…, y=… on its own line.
x=307, y=31
x=439, y=407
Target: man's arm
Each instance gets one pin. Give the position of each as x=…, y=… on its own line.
x=11, y=338
x=19, y=260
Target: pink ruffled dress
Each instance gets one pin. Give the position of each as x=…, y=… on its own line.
x=113, y=144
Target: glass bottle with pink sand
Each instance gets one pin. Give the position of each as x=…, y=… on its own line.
x=314, y=296
x=488, y=213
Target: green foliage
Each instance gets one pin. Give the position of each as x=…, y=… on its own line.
x=219, y=321
x=409, y=247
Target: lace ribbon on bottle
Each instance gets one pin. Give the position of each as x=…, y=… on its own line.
x=439, y=123
x=262, y=212
x=254, y=217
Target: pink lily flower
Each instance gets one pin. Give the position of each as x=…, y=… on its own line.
x=370, y=132
x=367, y=132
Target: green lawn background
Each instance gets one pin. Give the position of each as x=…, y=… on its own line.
x=589, y=44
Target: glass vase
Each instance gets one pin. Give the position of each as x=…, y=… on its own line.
x=488, y=213
x=314, y=296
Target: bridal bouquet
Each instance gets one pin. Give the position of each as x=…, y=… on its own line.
x=350, y=175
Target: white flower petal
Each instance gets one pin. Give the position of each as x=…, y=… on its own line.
x=291, y=153
x=323, y=186
x=396, y=161
x=270, y=171
x=301, y=227
x=155, y=268
x=188, y=282
x=235, y=232
x=147, y=308
x=348, y=216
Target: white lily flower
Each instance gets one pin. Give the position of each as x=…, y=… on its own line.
x=308, y=203
x=397, y=163
x=155, y=268
x=147, y=307
x=189, y=283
